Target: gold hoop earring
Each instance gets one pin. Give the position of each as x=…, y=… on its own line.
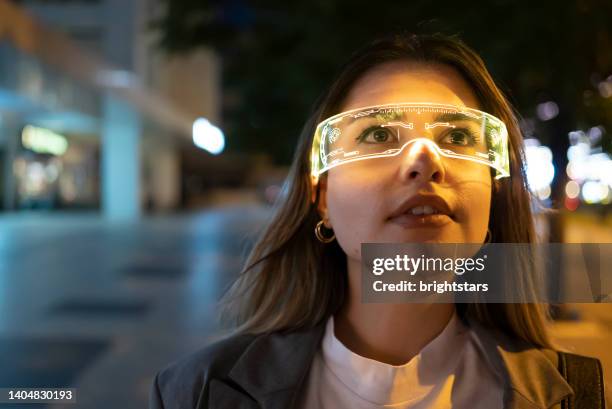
x=320, y=236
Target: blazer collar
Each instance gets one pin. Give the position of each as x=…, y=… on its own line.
x=274, y=367
x=529, y=374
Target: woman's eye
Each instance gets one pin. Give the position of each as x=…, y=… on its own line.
x=377, y=135
x=459, y=137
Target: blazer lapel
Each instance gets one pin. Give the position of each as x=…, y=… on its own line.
x=270, y=373
x=529, y=374
x=224, y=395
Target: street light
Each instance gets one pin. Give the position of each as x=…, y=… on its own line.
x=207, y=136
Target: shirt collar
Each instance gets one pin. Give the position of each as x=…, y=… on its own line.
x=382, y=383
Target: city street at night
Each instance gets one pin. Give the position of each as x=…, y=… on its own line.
x=424, y=199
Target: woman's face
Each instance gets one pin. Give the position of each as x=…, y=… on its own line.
x=379, y=200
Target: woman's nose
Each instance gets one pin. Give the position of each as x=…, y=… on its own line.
x=421, y=162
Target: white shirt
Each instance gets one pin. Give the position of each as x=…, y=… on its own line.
x=449, y=372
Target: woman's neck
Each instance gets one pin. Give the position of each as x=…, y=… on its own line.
x=389, y=333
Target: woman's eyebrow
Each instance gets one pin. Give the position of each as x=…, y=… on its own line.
x=398, y=115
x=385, y=115
x=391, y=116
x=456, y=117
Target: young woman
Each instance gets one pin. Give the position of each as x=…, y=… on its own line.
x=407, y=145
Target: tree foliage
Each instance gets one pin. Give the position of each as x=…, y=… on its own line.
x=278, y=56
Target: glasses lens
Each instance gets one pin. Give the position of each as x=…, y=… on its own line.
x=383, y=131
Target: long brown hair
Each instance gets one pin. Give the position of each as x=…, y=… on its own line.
x=291, y=280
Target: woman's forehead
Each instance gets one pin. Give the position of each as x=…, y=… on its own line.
x=405, y=81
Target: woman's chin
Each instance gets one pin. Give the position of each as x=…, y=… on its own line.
x=418, y=239
x=440, y=235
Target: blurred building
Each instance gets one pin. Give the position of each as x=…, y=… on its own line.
x=92, y=115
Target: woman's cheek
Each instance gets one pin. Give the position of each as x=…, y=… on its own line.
x=352, y=213
x=346, y=219
x=475, y=208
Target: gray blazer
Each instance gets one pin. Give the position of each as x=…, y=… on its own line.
x=269, y=371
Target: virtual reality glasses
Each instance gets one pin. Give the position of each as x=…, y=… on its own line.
x=384, y=131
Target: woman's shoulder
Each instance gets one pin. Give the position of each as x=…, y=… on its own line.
x=542, y=375
x=216, y=357
x=182, y=382
x=234, y=364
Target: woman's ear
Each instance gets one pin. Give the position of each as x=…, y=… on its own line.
x=322, y=203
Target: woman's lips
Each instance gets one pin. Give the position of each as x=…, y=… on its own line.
x=409, y=220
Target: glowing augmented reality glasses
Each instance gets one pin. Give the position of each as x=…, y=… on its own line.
x=385, y=130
